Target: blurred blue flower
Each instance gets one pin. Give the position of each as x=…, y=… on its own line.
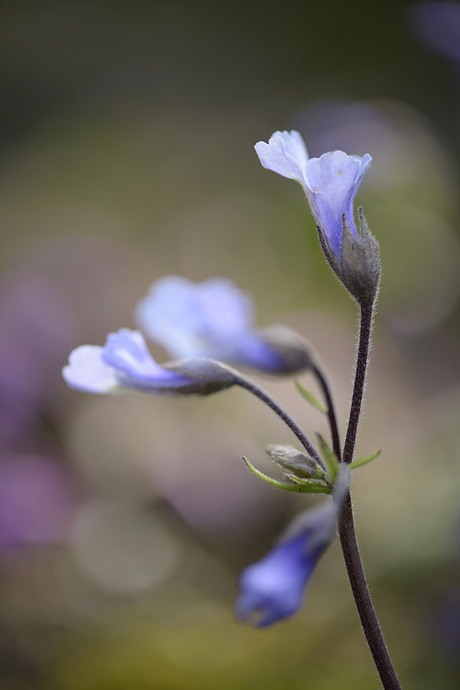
x=214, y=319
x=124, y=362
x=273, y=588
x=330, y=182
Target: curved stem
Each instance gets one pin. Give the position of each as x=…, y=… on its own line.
x=330, y=411
x=260, y=393
x=360, y=377
x=363, y=599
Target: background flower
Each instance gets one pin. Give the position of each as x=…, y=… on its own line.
x=214, y=319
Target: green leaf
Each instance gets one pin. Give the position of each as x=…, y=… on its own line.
x=363, y=461
x=306, y=488
x=308, y=395
x=330, y=458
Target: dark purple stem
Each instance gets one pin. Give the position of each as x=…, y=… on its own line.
x=360, y=589
x=360, y=377
x=330, y=411
x=366, y=611
x=259, y=392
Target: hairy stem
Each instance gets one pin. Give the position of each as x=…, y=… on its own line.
x=330, y=411
x=260, y=393
x=363, y=599
x=358, y=387
x=347, y=534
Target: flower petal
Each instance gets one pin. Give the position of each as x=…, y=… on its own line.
x=330, y=182
x=284, y=154
x=86, y=371
x=333, y=180
x=214, y=320
x=195, y=319
x=273, y=588
x=127, y=352
x=124, y=363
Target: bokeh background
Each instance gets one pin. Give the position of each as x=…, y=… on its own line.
x=127, y=134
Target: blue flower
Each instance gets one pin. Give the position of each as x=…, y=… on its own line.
x=330, y=182
x=214, y=319
x=125, y=363
x=273, y=588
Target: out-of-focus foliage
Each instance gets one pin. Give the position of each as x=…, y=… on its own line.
x=127, y=134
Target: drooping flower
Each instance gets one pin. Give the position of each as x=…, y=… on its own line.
x=125, y=363
x=330, y=183
x=214, y=319
x=273, y=588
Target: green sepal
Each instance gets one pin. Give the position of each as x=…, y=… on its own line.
x=308, y=395
x=307, y=482
x=363, y=461
x=330, y=458
x=305, y=488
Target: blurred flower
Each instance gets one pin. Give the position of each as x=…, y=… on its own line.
x=125, y=363
x=330, y=182
x=273, y=588
x=214, y=319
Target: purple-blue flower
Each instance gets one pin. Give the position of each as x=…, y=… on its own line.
x=214, y=319
x=273, y=588
x=123, y=363
x=330, y=182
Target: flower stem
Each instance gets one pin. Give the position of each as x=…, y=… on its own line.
x=347, y=534
x=360, y=377
x=260, y=393
x=363, y=599
x=330, y=411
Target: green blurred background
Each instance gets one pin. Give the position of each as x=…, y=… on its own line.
x=127, y=134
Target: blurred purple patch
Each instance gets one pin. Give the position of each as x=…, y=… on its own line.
x=447, y=626
x=438, y=25
x=36, y=501
x=36, y=332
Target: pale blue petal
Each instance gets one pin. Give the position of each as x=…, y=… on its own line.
x=123, y=363
x=212, y=320
x=284, y=154
x=195, y=319
x=127, y=352
x=332, y=182
x=87, y=372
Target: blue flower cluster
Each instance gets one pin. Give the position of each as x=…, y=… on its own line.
x=206, y=326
